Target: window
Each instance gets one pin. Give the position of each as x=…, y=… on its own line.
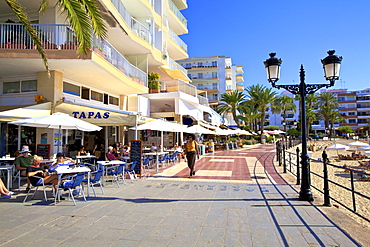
x=214, y=86
x=11, y=87
x=341, y=99
x=200, y=86
x=214, y=64
x=200, y=75
x=96, y=96
x=20, y=86
x=113, y=100
x=351, y=113
x=29, y=86
x=214, y=74
x=352, y=121
x=71, y=89
x=85, y=93
x=200, y=64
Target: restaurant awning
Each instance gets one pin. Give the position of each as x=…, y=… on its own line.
x=101, y=116
x=175, y=74
x=12, y=113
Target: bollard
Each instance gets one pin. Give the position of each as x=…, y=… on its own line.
x=326, y=180
x=298, y=169
x=284, y=161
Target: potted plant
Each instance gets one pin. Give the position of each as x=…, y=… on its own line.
x=154, y=84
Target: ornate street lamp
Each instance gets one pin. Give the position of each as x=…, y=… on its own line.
x=331, y=66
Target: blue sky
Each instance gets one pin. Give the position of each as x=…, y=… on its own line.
x=300, y=32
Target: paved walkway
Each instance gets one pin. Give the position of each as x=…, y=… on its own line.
x=246, y=204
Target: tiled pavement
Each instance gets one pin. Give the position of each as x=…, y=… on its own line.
x=212, y=209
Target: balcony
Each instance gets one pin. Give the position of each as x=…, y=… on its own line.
x=178, y=41
x=136, y=27
x=177, y=12
x=203, y=100
x=61, y=38
x=178, y=86
x=174, y=65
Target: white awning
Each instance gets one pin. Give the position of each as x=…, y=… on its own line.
x=100, y=115
x=24, y=112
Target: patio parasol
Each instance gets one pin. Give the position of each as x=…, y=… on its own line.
x=357, y=144
x=337, y=147
x=59, y=121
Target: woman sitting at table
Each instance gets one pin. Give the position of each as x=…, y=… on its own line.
x=82, y=151
x=111, y=155
x=180, y=152
x=36, y=174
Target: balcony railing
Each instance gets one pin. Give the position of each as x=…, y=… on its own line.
x=178, y=41
x=203, y=100
x=137, y=27
x=62, y=37
x=175, y=65
x=177, y=12
x=177, y=85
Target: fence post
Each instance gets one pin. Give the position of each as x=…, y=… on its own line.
x=284, y=161
x=278, y=152
x=290, y=162
x=298, y=168
x=326, y=180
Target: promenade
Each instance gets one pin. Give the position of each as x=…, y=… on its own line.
x=236, y=198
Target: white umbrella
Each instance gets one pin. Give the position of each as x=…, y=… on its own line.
x=161, y=125
x=365, y=147
x=357, y=144
x=367, y=152
x=198, y=130
x=59, y=121
x=242, y=132
x=337, y=147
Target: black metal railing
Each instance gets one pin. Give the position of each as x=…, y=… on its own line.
x=324, y=184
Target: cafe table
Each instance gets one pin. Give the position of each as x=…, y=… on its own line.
x=156, y=154
x=66, y=169
x=105, y=164
x=85, y=157
x=9, y=176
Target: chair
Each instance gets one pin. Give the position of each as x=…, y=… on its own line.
x=146, y=166
x=173, y=157
x=116, y=174
x=131, y=171
x=75, y=186
x=36, y=187
x=163, y=160
x=95, y=180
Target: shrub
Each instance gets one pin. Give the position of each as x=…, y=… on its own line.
x=248, y=142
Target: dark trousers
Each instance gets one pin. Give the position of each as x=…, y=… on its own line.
x=190, y=156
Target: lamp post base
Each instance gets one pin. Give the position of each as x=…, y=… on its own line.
x=306, y=196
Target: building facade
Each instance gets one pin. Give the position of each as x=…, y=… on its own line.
x=214, y=76
x=111, y=79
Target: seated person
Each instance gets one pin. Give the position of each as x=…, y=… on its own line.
x=36, y=174
x=22, y=162
x=5, y=193
x=180, y=152
x=154, y=147
x=125, y=151
x=61, y=159
x=110, y=154
x=82, y=151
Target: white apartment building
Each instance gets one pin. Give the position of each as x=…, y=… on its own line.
x=111, y=80
x=214, y=76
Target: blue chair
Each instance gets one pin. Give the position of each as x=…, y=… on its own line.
x=146, y=166
x=173, y=157
x=71, y=187
x=95, y=180
x=131, y=171
x=118, y=173
x=36, y=187
x=163, y=160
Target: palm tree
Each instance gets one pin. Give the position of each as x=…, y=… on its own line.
x=328, y=109
x=282, y=105
x=311, y=104
x=262, y=97
x=249, y=114
x=231, y=102
x=84, y=17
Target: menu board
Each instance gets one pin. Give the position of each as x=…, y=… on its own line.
x=43, y=150
x=136, y=154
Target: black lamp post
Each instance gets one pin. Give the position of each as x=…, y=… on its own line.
x=331, y=66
